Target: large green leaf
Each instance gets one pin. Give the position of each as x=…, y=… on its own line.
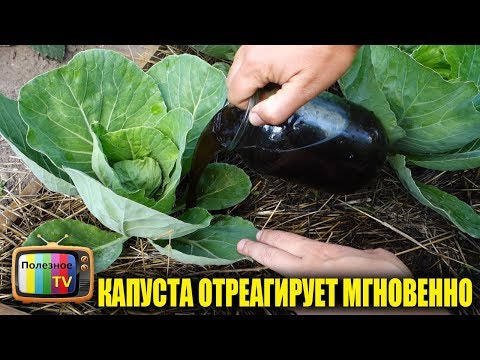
x=138, y=143
x=222, y=186
x=126, y=216
x=56, y=52
x=433, y=57
x=95, y=86
x=188, y=82
x=214, y=245
x=360, y=86
x=50, y=181
x=226, y=52
x=436, y=115
x=106, y=246
x=14, y=130
x=468, y=157
x=448, y=206
x=176, y=124
x=464, y=61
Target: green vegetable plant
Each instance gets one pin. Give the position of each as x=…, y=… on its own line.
x=427, y=98
x=122, y=139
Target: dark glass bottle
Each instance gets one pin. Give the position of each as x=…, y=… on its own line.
x=330, y=144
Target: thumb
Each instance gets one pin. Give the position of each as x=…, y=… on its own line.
x=279, y=107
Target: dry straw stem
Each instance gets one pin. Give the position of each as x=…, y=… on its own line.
x=380, y=215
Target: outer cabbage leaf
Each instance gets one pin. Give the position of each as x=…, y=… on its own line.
x=468, y=157
x=214, y=245
x=436, y=115
x=106, y=246
x=128, y=217
x=14, y=130
x=188, y=82
x=448, y=206
x=359, y=85
x=222, y=186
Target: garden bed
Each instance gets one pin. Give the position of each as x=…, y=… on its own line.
x=380, y=215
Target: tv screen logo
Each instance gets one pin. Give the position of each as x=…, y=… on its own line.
x=52, y=273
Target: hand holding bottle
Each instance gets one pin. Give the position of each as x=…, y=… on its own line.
x=303, y=71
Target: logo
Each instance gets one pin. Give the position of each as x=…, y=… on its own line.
x=52, y=273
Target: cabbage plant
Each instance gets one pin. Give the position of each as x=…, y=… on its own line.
x=122, y=139
x=427, y=98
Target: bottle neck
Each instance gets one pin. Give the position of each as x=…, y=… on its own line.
x=244, y=124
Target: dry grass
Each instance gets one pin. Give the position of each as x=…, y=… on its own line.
x=381, y=215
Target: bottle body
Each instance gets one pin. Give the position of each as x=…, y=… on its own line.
x=329, y=144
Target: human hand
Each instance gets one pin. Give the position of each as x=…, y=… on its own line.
x=297, y=256
x=302, y=71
